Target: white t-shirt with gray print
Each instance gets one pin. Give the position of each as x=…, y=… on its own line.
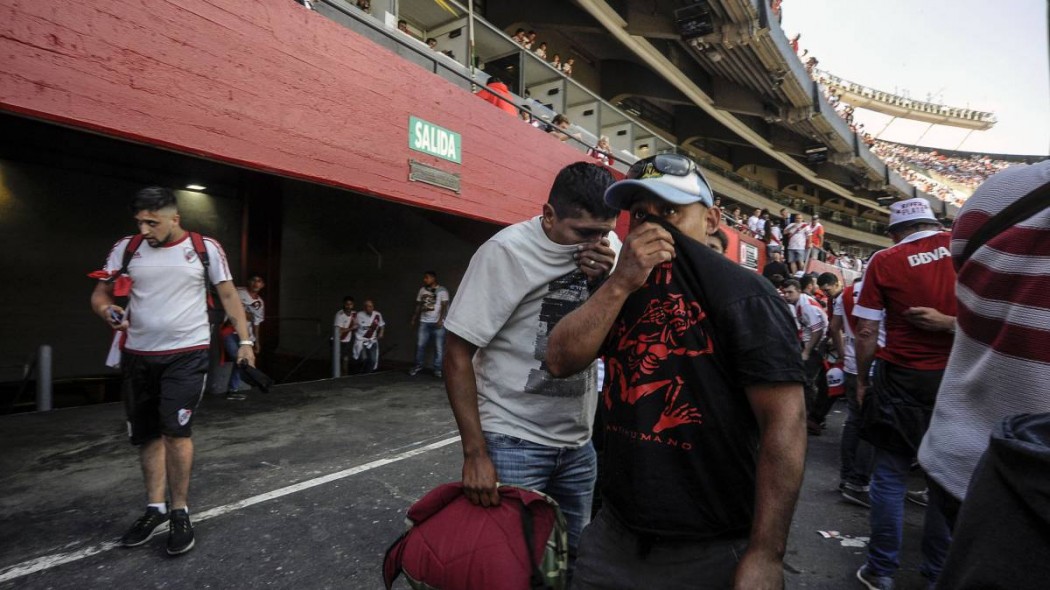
x=518, y=285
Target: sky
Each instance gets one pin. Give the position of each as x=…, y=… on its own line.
x=989, y=56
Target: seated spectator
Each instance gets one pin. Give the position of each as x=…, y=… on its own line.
x=556, y=62
x=402, y=25
x=432, y=43
x=602, y=151
x=368, y=330
x=541, y=51
x=365, y=5
x=566, y=68
x=794, y=42
x=559, y=127
x=519, y=37
x=530, y=40
x=497, y=93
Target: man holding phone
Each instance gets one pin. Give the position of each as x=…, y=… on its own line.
x=165, y=355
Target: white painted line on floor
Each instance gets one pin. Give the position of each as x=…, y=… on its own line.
x=49, y=561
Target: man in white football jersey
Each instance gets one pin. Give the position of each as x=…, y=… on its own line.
x=165, y=350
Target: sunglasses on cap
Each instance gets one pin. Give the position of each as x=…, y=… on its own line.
x=661, y=164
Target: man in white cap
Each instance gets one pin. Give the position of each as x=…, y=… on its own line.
x=911, y=287
x=703, y=406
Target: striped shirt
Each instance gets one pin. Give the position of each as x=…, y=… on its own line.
x=1000, y=361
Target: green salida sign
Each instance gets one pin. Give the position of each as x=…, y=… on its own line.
x=426, y=137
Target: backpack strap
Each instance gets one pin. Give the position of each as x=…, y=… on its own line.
x=1018, y=211
x=200, y=249
x=536, y=581
x=202, y=252
x=129, y=252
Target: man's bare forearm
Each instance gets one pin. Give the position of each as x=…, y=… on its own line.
x=835, y=327
x=814, y=340
x=576, y=339
x=234, y=307
x=462, y=389
x=866, y=344
x=780, y=410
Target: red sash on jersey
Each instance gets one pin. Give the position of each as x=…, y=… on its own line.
x=372, y=328
x=848, y=302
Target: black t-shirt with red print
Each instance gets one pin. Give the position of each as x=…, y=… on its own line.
x=681, y=439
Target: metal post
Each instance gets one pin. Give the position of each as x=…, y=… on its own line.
x=470, y=39
x=43, y=379
x=336, y=357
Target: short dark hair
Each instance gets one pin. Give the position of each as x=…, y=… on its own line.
x=348, y=298
x=791, y=283
x=722, y=238
x=806, y=281
x=430, y=273
x=827, y=278
x=559, y=119
x=777, y=280
x=581, y=187
x=153, y=198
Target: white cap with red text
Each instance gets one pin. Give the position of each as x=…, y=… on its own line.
x=912, y=211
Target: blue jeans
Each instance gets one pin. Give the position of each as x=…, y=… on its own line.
x=856, y=453
x=565, y=474
x=888, y=487
x=428, y=330
x=232, y=342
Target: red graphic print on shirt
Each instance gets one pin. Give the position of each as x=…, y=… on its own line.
x=667, y=328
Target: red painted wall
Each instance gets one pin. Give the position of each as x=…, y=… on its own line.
x=268, y=85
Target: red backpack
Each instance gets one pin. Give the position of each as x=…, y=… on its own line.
x=451, y=544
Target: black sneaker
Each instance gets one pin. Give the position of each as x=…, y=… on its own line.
x=856, y=496
x=144, y=528
x=180, y=533
x=921, y=498
x=236, y=396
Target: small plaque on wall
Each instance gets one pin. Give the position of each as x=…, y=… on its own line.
x=420, y=172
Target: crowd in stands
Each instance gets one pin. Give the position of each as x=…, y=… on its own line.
x=528, y=41
x=789, y=235
x=915, y=164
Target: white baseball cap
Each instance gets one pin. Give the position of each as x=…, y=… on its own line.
x=911, y=211
x=671, y=177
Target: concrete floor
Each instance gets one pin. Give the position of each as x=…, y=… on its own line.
x=304, y=487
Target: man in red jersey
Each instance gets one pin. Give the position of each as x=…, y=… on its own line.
x=911, y=286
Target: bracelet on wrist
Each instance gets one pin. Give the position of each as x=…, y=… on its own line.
x=247, y=343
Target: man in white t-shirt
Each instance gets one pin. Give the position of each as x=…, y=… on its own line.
x=165, y=353
x=518, y=424
x=344, y=319
x=856, y=453
x=368, y=326
x=755, y=223
x=797, y=236
x=813, y=324
x=431, y=309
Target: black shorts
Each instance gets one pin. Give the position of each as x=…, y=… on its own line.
x=161, y=393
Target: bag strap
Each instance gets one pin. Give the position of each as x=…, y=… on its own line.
x=129, y=252
x=1018, y=211
x=202, y=252
x=536, y=578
